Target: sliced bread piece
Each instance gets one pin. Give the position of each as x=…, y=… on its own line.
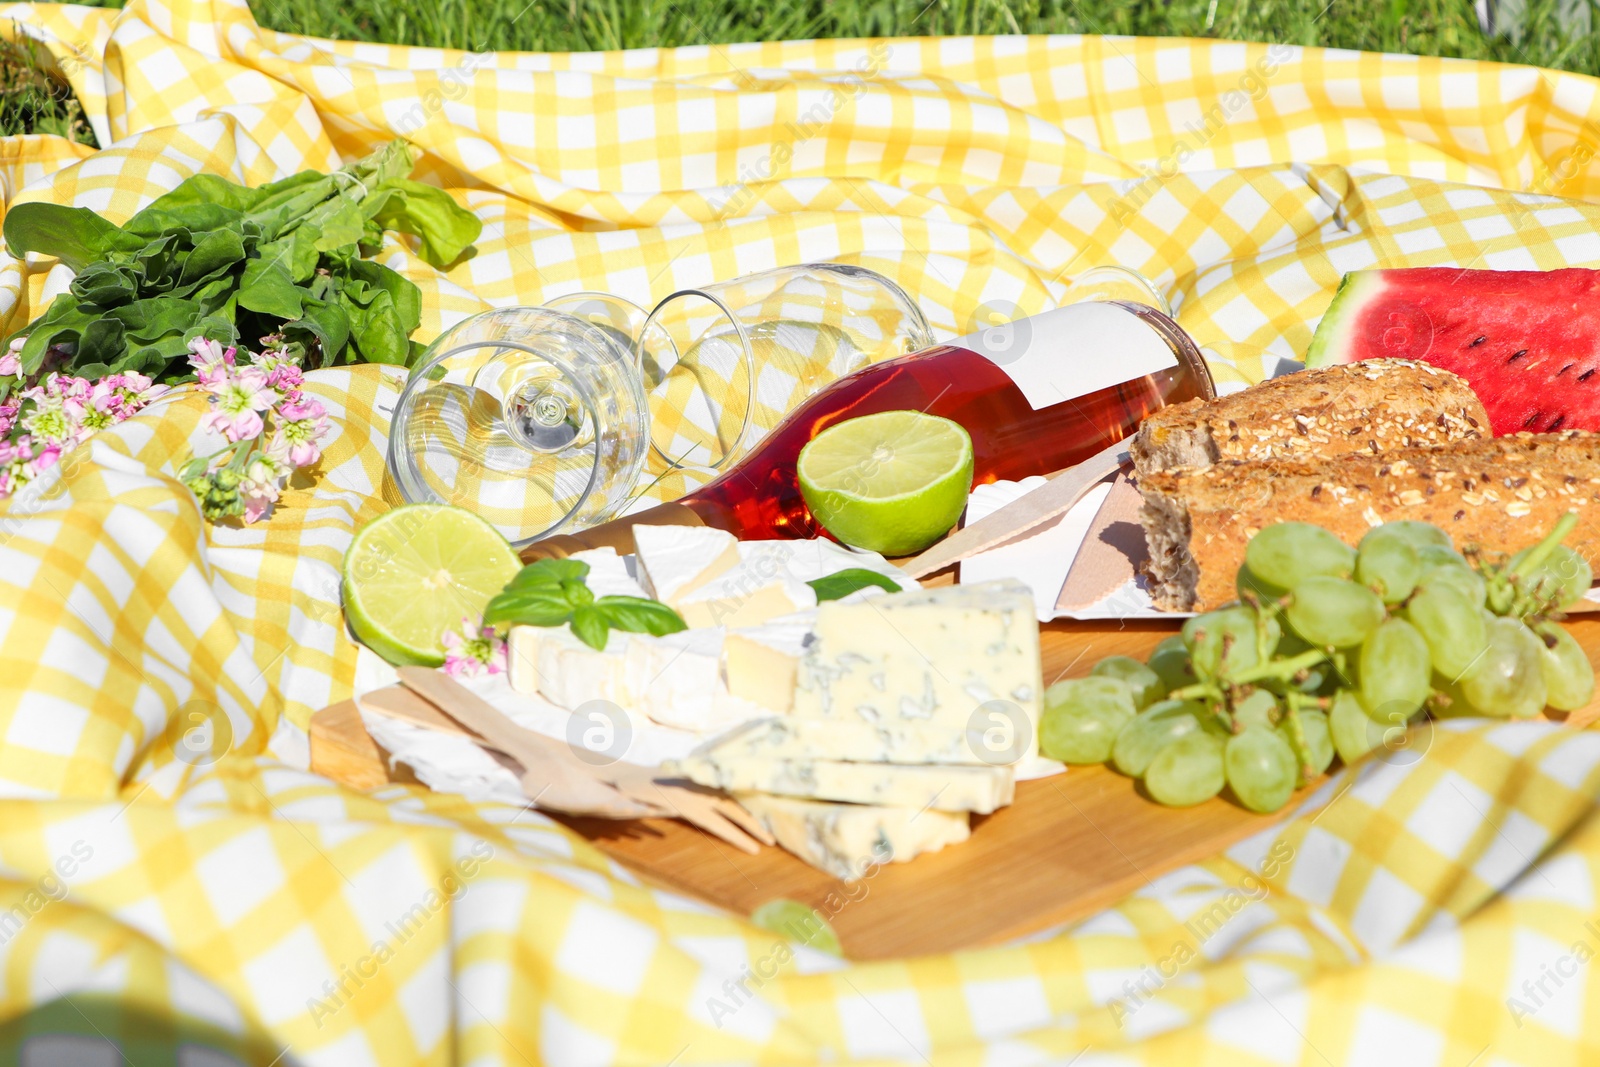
x=1499, y=493
x=1372, y=406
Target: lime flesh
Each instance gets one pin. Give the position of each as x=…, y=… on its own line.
x=415, y=572
x=894, y=482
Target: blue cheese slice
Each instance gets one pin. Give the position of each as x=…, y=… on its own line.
x=793, y=738
x=848, y=840
x=959, y=659
x=943, y=788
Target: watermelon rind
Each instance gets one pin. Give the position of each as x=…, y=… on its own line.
x=1330, y=345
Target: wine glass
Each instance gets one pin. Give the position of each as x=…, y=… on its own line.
x=531, y=417
x=739, y=355
x=541, y=419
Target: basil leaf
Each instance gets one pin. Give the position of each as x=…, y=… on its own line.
x=539, y=607
x=640, y=616
x=589, y=625
x=577, y=592
x=841, y=584
x=549, y=572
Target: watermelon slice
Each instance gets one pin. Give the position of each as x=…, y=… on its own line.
x=1527, y=341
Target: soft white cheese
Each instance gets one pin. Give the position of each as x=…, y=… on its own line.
x=550, y=661
x=848, y=840
x=674, y=679
x=713, y=580
x=609, y=573
x=674, y=561
x=756, y=591
x=760, y=663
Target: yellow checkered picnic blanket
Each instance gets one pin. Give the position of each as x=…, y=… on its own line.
x=158, y=889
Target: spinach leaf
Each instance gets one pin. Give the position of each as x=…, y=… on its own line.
x=106, y=284
x=328, y=323
x=445, y=228
x=378, y=334
x=267, y=288
x=62, y=323
x=215, y=252
x=204, y=189
x=218, y=259
x=74, y=235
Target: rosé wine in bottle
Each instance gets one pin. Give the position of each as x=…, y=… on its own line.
x=1036, y=396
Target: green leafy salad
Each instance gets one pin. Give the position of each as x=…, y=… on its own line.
x=220, y=260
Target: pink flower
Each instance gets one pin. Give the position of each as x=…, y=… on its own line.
x=285, y=377
x=237, y=403
x=483, y=652
x=259, y=489
x=42, y=460
x=10, y=365
x=302, y=426
x=212, y=363
x=300, y=407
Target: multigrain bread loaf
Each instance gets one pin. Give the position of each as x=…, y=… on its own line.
x=1499, y=493
x=1371, y=406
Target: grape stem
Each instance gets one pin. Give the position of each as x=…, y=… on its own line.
x=1505, y=592
x=1297, y=739
x=1280, y=670
x=1541, y=551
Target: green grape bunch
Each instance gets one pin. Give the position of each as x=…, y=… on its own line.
x=1331, y=651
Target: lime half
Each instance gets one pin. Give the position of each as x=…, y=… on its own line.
x=894, y=482
x=414, y=572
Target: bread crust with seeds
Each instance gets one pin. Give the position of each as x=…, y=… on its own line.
x=1498, y=493
x=1371, y=406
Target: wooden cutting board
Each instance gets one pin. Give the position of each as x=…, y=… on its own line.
x=1068, y=847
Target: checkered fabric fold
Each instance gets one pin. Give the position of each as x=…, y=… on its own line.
x=162, y=891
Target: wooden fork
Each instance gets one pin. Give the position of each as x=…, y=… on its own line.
x=547, y=779
x=447, y=701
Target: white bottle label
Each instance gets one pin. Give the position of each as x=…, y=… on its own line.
x=1072, y=351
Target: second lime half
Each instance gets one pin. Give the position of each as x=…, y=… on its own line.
x=894, y=482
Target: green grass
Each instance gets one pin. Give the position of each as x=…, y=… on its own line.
x=1429, y=27
x=32, y=98
x=30, y=101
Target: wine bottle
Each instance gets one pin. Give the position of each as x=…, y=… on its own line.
x=1036, y=396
